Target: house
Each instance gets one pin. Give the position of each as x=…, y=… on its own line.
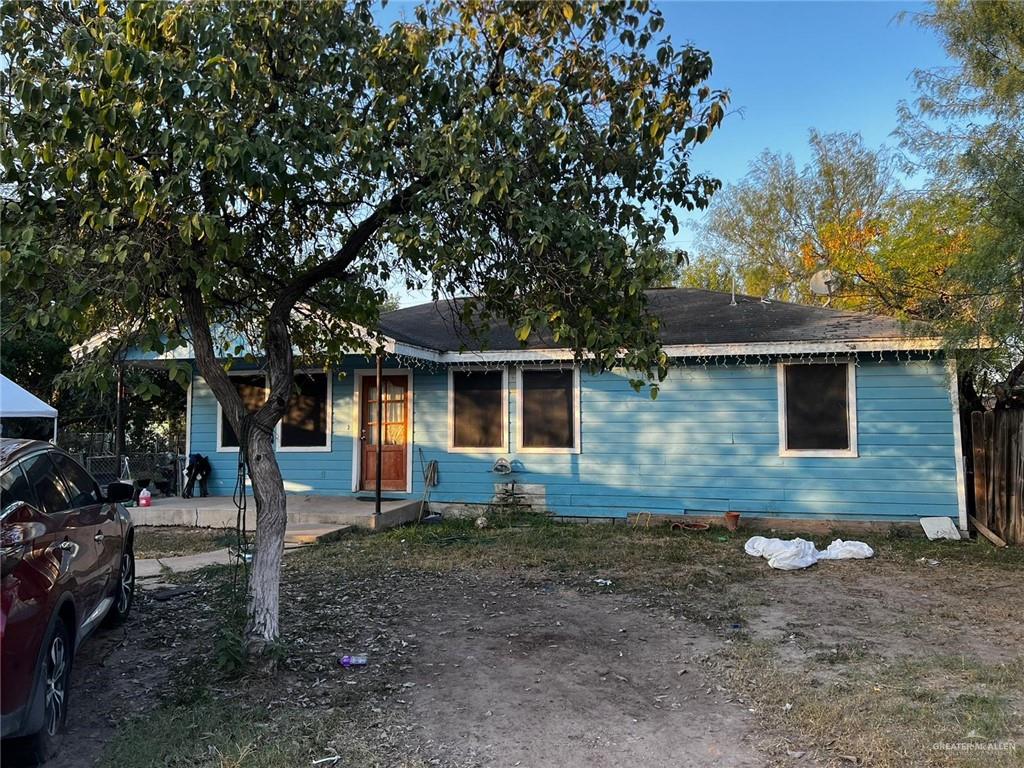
x=770, y=409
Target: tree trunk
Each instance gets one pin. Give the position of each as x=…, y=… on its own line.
x=271, y=517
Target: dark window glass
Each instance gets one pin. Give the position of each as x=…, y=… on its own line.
x=476, y=405
x=548, y=418
x=14, y=489
x=49, y=489
x=79, y=483
x=253, y=391
x=816, y=407
x=305, y=421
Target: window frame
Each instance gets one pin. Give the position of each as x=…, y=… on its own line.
x=850, y=452
x=577, y=430
x=330, y=418
x=503, y=448
x=221, y=448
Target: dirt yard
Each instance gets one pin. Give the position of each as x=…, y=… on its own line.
x=506, y=647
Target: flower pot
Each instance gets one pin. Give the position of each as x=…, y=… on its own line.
x=732, y=520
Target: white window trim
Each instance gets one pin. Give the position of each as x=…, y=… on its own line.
x=851, y=412
x=357, y=383
x=577, y=414
x=503, y=448
x=958, y=443
x=330, y=419
x=220, y=411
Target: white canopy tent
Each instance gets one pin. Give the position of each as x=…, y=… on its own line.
x=17, y=403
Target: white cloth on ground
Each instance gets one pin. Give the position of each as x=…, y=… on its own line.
x=798, y=553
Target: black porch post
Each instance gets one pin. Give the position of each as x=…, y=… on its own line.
x=119, y=419
x=380, y=431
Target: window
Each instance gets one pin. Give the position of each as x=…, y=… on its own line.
x=252, y=388
x=478, y=409
x=548, y=410
x=306, y=421
x=817, y=410
x=14, y=489
x=42, y=476
x=80, y=484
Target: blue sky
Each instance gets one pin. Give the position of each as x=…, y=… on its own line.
x=790, y=67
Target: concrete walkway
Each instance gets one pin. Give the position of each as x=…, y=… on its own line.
x=148, y=572
x=219, y=511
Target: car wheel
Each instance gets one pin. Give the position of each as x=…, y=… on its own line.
x=56, y=672
x=124, y=591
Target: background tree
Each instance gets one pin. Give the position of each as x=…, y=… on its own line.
x=217, y=173
x=780, y=224
x=967, y=130
x=948, y=255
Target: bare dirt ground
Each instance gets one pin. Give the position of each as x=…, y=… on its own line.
x=498, y=648
x=527, y=675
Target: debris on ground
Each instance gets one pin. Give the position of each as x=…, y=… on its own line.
x=797, y=553
x=940, y=528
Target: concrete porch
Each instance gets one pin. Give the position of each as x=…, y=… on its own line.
x=219, y=511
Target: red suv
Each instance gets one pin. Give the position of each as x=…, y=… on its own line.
x=67, y=565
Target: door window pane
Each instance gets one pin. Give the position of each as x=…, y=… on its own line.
x=79, y=483
x=48, y=488
x=477, y=420
x=548, y=417
x=817, y=411
x=305, y=421
x=252, y=388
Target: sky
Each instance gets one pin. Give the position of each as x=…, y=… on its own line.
x=791, y=67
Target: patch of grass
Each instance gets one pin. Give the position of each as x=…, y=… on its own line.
x=888, y=715
x=210, y=732
x=629, y=553
x=174, y=541
x=909, y=546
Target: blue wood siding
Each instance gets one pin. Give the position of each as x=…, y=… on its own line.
x=708, y=444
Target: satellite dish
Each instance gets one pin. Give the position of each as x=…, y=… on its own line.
x=823, y=282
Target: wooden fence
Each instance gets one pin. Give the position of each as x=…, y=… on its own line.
x=998, y=445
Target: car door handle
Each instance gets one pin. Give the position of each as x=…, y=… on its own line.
x=98, y=537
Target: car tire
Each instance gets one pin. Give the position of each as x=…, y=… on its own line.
x=56, y=671
x=124, y=590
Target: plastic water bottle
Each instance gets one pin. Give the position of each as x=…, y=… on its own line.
x=145, y=498
x=357, y=660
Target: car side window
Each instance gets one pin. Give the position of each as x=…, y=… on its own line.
x=42, y=476
x=14, y=489
x=80, y=484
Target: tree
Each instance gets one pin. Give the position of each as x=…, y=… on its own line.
x=941, y=256
x=263, y=171
x=967, y=129
x=780, y=224
x=708, y=271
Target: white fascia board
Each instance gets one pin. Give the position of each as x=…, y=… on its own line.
x=709, y=350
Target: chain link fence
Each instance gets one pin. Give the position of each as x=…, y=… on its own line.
x=160, y=472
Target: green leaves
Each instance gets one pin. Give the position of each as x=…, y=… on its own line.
x=239, y=148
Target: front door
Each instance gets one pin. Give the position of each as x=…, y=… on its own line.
x=395, y=448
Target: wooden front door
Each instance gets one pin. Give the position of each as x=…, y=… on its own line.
x=395, y=450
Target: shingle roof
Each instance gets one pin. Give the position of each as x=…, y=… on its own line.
x=689, y=316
